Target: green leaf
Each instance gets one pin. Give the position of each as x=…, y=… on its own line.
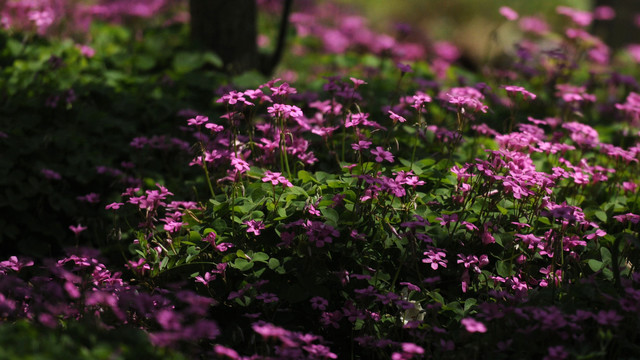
x=258, y=273
x=192, y=250
x=470, y=302
x=144, y=62
x=185, y=62
x=544, y=220
x=606, y=255
x=503, y=268
x=595, y=265
x=273, y=263
x=437, y=297
x=601, y=215
x=298, y=191
x=194, y=236
x=212, y=59
x=331, y=215
x=242, y=264
x=260, y=256
x=164, y=262
x=498, y=238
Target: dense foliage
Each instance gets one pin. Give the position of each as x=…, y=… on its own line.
x=375, y=201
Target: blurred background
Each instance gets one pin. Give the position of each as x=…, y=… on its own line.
x=466, y=23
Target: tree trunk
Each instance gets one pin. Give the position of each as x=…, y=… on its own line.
x=620, y=31
x=228, y=28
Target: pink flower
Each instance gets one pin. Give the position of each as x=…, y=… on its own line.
x=225, y=351
x=50, y=174
x=206, y=279
x=210, y=238
x=633, y=218
x=114, y=206
x=267, y=330
x=91, y=198
x=582, y=134
x=357, y=82
x=361, y=145
x=534, y=25
x=435, y=258
x=197, y=121
x=14, y=264
x=87, y=51
x=404, y=68
x=581, y=18
x=240, y=165
x=608, y=318
x=214, y=127
x=284, y=111
x=410, y=286
x=604, y=13
x=233, y=98
x=508, y=13
x=77, y=229
x=634, y=51
x=419, y=99
x=320, y=351
x=412, y=348
x=446, y=50
x=254, y=226
x=395, y=117
x=319, y=303
x=267, y=297
x=382, y=155
x=472, y=325
x=556, y=353
x=140, y=266
x=222, y=247
x=513, y=90
x=276, y=178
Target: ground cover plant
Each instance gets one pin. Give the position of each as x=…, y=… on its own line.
x=373, y=200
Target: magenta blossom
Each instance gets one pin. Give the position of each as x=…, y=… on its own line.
x=508, y=13
x=395, y=117
x=214, y=127
x=276, y=178
x=50, y=174
x=77, y=229
x=254, y=226
x=472, y=325
x=114, y=206
x=86, y=51
x=357, y=82
x=14, y=264
x=382, y=155
x=361, y=145
x=404, y=68
x=435, y=258
x=197, y=121
x=410, y=286
x=319, y=303
x=512, y=90
x=206, y=279
x=233, y=98
x=225, y=351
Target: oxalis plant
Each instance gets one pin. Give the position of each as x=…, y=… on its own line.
x=481, y=217
x=390, y=252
